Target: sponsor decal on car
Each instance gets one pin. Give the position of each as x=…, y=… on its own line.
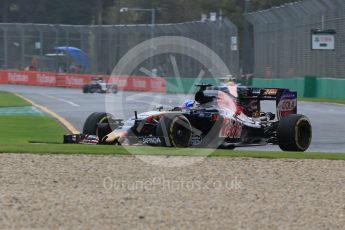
x=271, y=91
x=230, y=128
x=287, y=104
x=196, y=140
x=151, y=140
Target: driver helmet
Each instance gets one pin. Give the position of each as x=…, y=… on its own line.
x=188, y=104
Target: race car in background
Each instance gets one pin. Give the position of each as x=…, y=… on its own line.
x=225, y=116
x=98, y=85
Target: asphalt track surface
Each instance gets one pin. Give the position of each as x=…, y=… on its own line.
x=327, y=119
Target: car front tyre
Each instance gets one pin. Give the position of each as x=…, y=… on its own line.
x=97, y=124
x=176, y=130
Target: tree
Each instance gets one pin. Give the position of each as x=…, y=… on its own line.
x=107, y=11
x=47, y=11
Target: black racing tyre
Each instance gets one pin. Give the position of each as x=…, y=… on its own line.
x=114, y=89
x=86, y=88
x=97, y=124
x=294, y=133
x=176, y=130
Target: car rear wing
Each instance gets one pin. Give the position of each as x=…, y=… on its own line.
x=286, y=100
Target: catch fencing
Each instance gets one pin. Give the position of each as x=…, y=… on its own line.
x=20, y=44
x=282, y=39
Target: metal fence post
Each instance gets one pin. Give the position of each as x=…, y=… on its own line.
x=5, y=45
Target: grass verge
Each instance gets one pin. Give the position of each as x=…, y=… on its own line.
x=11, y=100
x=158, y=151
x=21, y=129
x=18, y=130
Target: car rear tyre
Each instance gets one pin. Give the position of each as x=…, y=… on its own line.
x=86, y=89
x=175, y=129
x=97, y=124
x=294, y=133
x=114, y=89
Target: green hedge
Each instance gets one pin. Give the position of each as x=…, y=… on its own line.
x=308, y=86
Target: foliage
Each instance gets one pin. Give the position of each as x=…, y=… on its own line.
x=47, y=11
x=108, y=11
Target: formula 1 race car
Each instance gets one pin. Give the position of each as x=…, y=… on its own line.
x=225, y=116
x=99, y=86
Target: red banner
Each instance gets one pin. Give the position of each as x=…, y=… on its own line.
x=158, y=84
x=45, y=79
x=139, y=83
x=126, y=83
x=21, y=78
x=73, y=80
x=3, y=77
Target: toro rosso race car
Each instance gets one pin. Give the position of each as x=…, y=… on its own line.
x=225, y=116
x=98, y=85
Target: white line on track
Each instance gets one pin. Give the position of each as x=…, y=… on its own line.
x=61, y=99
